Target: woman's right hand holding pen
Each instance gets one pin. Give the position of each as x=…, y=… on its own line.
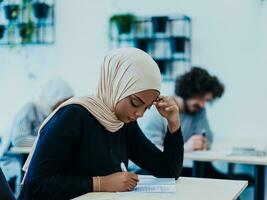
x=116, y=182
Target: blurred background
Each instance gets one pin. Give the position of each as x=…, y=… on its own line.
x=228, y=38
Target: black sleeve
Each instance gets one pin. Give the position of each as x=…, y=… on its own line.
x=59, y=139
x=145, y=154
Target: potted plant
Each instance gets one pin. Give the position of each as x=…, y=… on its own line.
x=178, y=44
x=41, y=10
x=11, y=11
x=123, y=22
x=142, y=43
x=26, y=31
x=2, y=31
x=159, y=24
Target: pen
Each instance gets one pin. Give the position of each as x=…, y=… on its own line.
x=203, y=132
x=204, y=135
x=123, y=167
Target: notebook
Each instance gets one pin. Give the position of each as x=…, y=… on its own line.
x=151, y=184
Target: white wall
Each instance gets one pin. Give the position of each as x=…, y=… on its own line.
x=229, y=39
x=81, y=42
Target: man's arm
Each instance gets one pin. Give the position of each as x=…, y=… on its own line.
x=202, y=126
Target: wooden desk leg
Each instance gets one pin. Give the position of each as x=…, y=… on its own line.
x=259, y=182
x=198, y=169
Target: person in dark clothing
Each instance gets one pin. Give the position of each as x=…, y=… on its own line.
x=82, y=144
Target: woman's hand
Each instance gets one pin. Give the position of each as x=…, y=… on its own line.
x=168, y=108
x=117, y=182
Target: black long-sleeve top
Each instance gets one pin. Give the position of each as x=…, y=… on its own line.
x=73, y=147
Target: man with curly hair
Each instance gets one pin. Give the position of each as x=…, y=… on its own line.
x=193, y=90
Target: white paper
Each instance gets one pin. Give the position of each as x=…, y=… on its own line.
x=152, y=184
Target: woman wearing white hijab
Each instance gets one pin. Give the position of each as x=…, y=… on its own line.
x=25, y=126
x=82, y=144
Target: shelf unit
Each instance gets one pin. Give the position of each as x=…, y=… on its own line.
x=166, y=38
x=27, y=22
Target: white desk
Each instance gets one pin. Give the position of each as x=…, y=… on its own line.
x=216, y=155
x=259, y=163
x=186, y=189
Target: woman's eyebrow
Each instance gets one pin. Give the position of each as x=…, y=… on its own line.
x=139, y=99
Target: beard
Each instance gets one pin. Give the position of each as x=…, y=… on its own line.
x=190, y=112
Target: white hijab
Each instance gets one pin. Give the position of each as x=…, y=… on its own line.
x=124, y=72
x=52, y=92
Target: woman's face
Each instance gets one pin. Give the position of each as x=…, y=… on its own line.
x=132, y=107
